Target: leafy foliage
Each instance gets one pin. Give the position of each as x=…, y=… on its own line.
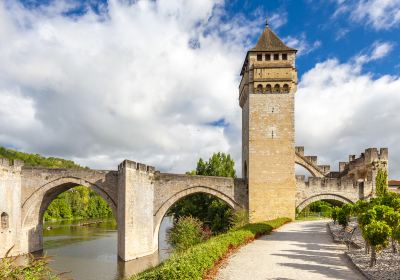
x=211, y=211
x=381, y=182
x=378, y=219
x=197, y=260
x=78, y=203
x=186, y=232
x=35, y=160
x=35, y=269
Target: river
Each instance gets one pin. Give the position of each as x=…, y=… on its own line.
x=90, y=251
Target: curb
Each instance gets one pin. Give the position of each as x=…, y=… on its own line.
x=357, y=267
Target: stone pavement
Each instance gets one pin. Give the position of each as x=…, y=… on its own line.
x=299, y=250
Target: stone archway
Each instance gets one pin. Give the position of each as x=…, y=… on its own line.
x=161, y=211
x=35, y=205
x=319, y=197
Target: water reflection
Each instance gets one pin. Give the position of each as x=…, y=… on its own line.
x=90, y=251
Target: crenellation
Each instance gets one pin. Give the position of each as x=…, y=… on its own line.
x=325, y=168
x=384, y=154
x=312, y=159
x=342, y=166
x=301, y=178
x=300, y=150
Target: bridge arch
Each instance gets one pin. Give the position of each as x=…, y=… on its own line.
x=163, y=209
x=35, y=205
x=319, y=197
x=313, y=169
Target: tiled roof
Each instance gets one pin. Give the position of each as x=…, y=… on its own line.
x=269, y=41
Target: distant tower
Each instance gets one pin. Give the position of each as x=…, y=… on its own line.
x=266, y=96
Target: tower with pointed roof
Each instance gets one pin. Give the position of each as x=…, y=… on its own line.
x=266, y=96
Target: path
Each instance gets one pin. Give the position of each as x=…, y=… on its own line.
x=300, y=250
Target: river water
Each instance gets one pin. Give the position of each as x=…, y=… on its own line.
x=90, y=251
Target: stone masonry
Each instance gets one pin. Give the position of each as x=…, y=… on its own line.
x=140, y=196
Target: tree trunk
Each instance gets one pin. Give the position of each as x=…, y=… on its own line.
x=394, y=248
x=373, y=256
x=366, y=247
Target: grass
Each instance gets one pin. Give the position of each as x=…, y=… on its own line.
x=195, y=262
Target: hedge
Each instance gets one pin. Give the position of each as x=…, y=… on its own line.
x=197, y=260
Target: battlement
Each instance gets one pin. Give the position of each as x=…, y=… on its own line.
x=300, y=150
x=368, y=157
x=135, y=165
x=320, y=183
x=4, y=162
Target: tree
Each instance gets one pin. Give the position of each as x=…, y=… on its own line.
x=210, y=210
x=377, y=234
x=392, y=219
x=381, y=182
x=187, y=231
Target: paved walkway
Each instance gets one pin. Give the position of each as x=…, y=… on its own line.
x=300, y=250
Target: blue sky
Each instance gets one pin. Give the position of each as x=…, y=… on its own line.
x=156, y=81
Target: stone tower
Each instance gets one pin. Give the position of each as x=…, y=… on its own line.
x=266, y=96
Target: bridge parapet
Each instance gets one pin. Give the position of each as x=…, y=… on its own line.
x=135, y=165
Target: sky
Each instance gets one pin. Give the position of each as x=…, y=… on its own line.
x=157, y=81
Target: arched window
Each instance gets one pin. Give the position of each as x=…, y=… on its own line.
x=4, y=220
x=259, y=89
x=285, y=88
x=268, y=89
x=277, y=89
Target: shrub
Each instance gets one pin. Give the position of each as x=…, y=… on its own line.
x=197, y=260
x=334, y=214
x=239, y=218
x=342, y=218
x=186, y=232
x=377, y=234
x=381, y=182
x=35, y=269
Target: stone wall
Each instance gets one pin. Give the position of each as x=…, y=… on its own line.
x=10, y=207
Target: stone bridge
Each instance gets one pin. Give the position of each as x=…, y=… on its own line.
x=140, y=196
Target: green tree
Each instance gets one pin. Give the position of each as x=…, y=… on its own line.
x=381, y=182
x=186, y=232
x=377, y=234
x=214, y=213
x=392, y=219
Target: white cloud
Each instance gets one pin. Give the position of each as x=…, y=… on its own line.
x=140, y=82
x=277, y=20
x=137, y=83
x=379, y=50
x=301, y=44
x=380, y=14
x=341, y=111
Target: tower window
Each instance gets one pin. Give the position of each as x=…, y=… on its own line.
x=259, y=57
x=277, y=89
x=259, y=89
x=268, y=89
x=267, y=57
x=284, y=56
x=4, y=220
x=276, y=56
x=285, y=88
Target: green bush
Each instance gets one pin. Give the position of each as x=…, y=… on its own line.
x=35, y=269
x=342, y=218
x=377, y=234
x=197, y=260
x=186, y=232
x=334, y=214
